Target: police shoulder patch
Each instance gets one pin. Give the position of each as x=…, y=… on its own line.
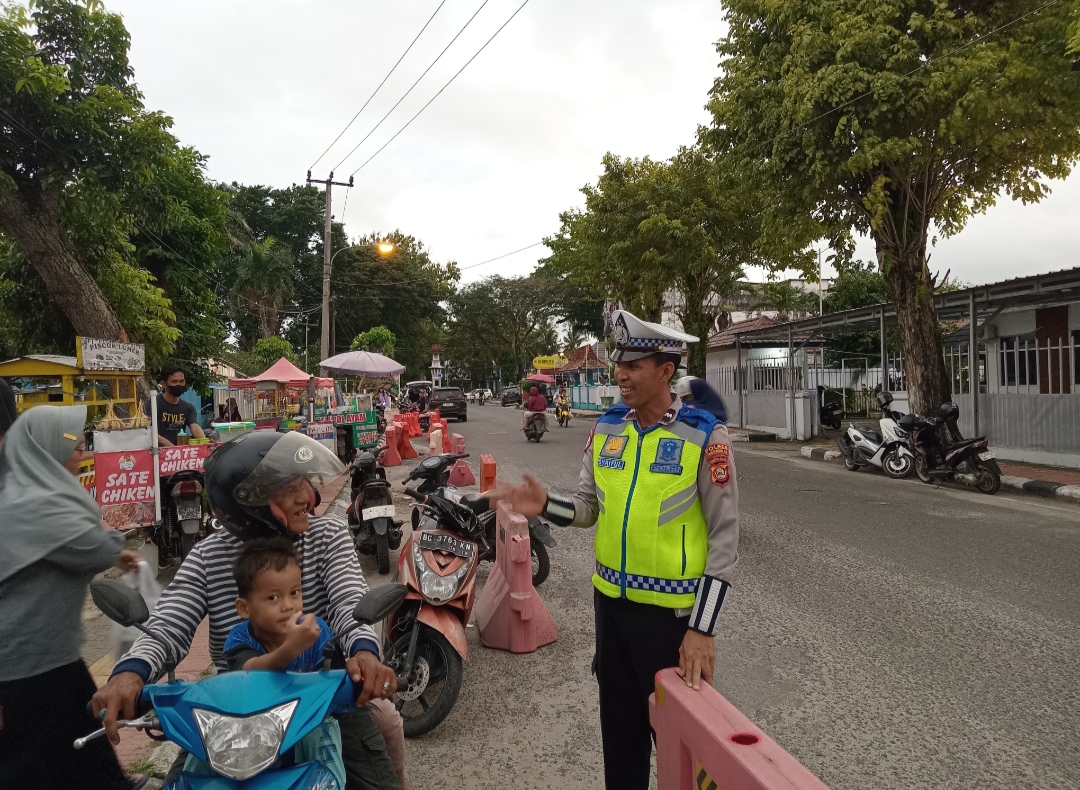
x=718, y=457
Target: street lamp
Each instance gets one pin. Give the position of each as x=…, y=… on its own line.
x=383, y=247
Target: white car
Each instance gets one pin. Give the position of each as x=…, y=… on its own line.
x=474, y=395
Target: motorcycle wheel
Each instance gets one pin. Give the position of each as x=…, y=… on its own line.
x=850, y=465
x=987, y=481
x=434, y=682
x=922, y=470
x=541, y=562
x=187, y=543
x=897, y=466
x=382, y=553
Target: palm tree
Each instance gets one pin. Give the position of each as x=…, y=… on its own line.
x=264, y=283
x=786, y=299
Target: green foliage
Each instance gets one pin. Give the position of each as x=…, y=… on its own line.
x=378, y=339
x=497, y=323
x=108, y=184
x=686, y=227
x=269, y=350
x=898, y=118
x=857, y=284
x=789, y=301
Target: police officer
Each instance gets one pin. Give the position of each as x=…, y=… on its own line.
x=658, y=480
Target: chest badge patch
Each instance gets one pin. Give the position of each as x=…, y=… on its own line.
x=718, y=456
x=668, y=457
x=611, y=453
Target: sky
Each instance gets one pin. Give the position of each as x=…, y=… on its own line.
x=263, y=86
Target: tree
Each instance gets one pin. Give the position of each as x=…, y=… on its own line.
x=378, y=339
x=683, y=228
x=789, y=301
x=899, y=119
x=499, y=322
x=269, y=350
x=263, y=283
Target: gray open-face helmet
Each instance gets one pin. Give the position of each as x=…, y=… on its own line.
x=245, y=474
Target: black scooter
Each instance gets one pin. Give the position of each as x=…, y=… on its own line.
x=371, y=514
x=969, y=461
x=434, y=476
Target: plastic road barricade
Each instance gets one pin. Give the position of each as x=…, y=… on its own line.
x=461, y=475
x=447, y=446
x=405, y=447
x=487, y=473
x=703, y=742
x=391, y=456
x=413, y=421
x=435, y=441
x=458, y=442
x=509, y=612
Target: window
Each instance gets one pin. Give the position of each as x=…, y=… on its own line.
x=1019, y=362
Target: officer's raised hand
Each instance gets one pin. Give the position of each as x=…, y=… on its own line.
x=696, y=659
x=528, y=499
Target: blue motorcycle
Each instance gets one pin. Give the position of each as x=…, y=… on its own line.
x=243, y=725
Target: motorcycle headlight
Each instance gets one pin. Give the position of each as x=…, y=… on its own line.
x=241, y=746
x=438, y=588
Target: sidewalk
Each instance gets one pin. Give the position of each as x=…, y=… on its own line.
x=1044, y=481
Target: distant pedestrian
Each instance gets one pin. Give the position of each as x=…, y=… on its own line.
x=53, y=545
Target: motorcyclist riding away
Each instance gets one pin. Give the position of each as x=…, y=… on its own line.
x=537, y=404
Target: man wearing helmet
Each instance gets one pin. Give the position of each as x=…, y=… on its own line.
x=259, y=485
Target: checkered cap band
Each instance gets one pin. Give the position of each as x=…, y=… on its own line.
x=651, y=583
x=675, y=346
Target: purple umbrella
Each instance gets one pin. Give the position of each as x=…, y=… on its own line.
x=363, y=363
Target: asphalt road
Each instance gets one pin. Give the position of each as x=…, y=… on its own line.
x=887, y=634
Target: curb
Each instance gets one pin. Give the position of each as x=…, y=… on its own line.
x=1023, y=485
x=741, y=435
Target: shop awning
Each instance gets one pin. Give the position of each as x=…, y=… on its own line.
x=281, y=372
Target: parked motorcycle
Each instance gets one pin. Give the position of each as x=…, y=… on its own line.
x=536, y=426
x=970, y=461
x=425, y=637
x=183, y=517
x=243, y=725
x=830, y=410
x=887, y=450
x=562, y=414
x=371, y=514
x=433, y=474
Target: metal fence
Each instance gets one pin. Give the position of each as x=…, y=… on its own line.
x=1026, y=366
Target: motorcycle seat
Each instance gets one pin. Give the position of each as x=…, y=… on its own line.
x=871, y=435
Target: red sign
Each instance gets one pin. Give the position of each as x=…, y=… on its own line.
x=183, y=458
x=126, y=489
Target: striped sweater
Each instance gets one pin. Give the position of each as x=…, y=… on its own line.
x=204, y=585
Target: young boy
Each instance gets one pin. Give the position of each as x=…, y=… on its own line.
x=277, y=635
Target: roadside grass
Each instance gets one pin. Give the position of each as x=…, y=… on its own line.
x=145, y=766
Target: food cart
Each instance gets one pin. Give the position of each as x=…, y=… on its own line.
x=357, y=419
x=281, y=396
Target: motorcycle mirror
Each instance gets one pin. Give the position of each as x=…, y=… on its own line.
x=380, y=603
x=119, y=603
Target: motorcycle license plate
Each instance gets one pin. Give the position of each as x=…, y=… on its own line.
x=188, y=510
x=987, y=455
x=447, y=543
x=380, y=511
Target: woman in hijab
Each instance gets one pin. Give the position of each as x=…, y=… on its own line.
x=697, y=393
x=51, y=545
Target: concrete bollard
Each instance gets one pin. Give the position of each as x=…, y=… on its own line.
x=487, y=473
x=703, y=741
x=509, y=612
x=391, y=456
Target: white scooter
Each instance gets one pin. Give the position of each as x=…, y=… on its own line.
x=887, y=450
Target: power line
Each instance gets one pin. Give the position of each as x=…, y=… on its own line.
x=384, y=79
x=444, y=87
x=410, y=90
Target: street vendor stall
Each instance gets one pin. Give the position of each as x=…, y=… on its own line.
x=357, y=419
x=62, y=381
x=281, y=395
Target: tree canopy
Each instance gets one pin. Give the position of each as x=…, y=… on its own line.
x=899, y=119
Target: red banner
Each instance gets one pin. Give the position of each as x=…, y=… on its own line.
x=183, y=458
x=126, y=489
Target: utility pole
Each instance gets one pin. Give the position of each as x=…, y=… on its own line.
x=329, y=183
x=333, y=326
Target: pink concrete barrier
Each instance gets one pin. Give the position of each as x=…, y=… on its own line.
x=390, y=454
x=703, y=742
x=461, y=474
x=509, y=612
x=458, y=442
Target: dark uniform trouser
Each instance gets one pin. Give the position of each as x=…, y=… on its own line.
x=634, y=641
x=363, y=750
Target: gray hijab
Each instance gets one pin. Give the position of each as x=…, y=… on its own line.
x=42, y=505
